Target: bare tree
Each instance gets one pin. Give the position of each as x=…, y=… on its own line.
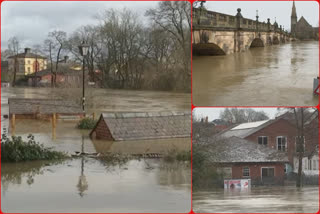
x=48, y=48
x=14, y=47
x=238, y=115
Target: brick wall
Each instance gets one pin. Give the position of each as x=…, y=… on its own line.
x=255, y=172
x=279, y=128
x=102, y=131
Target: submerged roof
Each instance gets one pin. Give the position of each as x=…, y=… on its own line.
x=236, y=150
x=152, y=125
x=43, y=106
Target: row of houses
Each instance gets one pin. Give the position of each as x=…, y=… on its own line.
x=265, y=151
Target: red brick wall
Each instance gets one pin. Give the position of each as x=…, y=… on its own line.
x=278, y=128
x=255, y=171
x=102, y=131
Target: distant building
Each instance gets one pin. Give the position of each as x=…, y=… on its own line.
x=302, y=29
x=5, y=77
x=27, y=63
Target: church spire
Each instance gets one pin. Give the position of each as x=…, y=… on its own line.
x=294, y=12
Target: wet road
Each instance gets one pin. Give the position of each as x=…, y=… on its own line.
x=271, y=76
x=283, y=199
x=90, y=186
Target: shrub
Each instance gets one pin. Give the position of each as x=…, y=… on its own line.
x=87, y=123
x=173, y=155
x=16, y=150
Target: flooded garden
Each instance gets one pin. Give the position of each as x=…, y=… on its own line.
x=84, y=183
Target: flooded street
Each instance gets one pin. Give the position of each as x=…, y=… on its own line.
x=278, y=75
x=279, y=199
x=90, y=184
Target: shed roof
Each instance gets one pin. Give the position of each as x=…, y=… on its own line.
x=238, y=150
x=42, y=106
x=151, y=125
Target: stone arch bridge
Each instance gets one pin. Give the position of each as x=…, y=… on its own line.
x=219, y=34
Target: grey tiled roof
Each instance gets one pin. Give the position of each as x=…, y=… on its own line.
x=42, y=106
x=238, y=150
x=28, y=55
x=151, y=125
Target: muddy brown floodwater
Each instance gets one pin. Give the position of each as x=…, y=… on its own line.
x=279, y=75
x=89, y=184
x=283, y=199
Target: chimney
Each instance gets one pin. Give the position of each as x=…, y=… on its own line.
x=27, y=50
x=66, y=59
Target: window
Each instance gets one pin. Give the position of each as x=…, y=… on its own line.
x=263, y=140
x=306, y=164
x=297, y=143
x=310, y=165
x=282, y=143
x=29, y=62
x=245, y=171
x=28, y=69
x=314, y=164
x=267, y=172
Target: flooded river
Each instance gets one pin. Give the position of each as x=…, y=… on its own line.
x=278, y=75
x=283, y=199
x=93, y=185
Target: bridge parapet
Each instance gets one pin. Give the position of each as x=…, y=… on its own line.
x=205, y=19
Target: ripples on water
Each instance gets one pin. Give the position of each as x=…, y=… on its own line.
x=270, y=76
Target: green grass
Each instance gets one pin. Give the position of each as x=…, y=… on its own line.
x=15, y=149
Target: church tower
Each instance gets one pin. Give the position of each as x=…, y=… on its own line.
x=293, y=19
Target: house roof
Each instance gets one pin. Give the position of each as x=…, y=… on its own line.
x=43, y=106
x=151, y=125
x=238, y=150
x=28, y=55
x=245, y=129
x=303, y=21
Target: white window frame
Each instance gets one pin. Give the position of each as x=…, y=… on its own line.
x=263, y=137
x=304, y=143
x=245, y=176
x=286, y=143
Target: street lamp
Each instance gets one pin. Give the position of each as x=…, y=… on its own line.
x=83, y=49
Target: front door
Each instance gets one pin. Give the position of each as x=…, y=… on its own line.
x=267, y=175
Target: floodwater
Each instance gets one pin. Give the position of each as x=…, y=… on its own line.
x=278, y=75
x=268, y=199
x=90, y=184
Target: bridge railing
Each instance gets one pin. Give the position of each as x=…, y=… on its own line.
x=203, y=18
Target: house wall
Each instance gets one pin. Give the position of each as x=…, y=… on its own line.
x=27, y=65
x=255, y=172
x=310, y=165
x=278, y=128
x=101, y=131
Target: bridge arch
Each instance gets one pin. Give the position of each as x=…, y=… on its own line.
x=207, y=49
x=257, y=42
x=275, y=40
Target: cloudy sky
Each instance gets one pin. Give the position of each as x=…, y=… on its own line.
x=31, y=21
x=269, y=9
x=213, y=113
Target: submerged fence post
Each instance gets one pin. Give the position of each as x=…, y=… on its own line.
x=13, y=124
x=54, y=120
x=94, y=116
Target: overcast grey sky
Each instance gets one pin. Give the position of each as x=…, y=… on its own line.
x=213, y=113
x=31, y=21
x=269, y=9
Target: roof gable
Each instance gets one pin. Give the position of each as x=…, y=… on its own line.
x=303, y=21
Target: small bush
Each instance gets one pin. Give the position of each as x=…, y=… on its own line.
x=87, y=123
x=173, y=155
x=16, y=150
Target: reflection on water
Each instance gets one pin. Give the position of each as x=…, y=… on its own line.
x=89, y=185
x=267, y=199
x=274, y=75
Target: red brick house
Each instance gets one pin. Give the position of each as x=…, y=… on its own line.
x=279, y=134
x=242, y=159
